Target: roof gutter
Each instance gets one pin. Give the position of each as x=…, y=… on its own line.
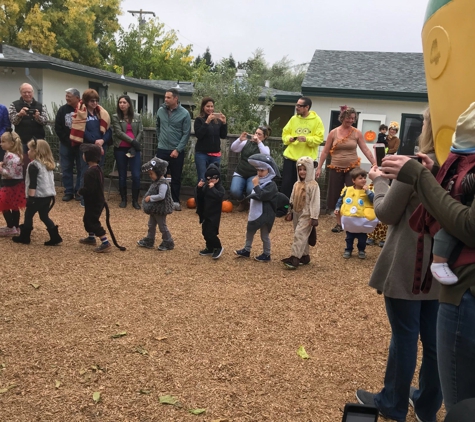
x=365, y=94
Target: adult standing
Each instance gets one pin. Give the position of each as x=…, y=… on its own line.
x=173, y=133
x=29, y=118
x=210, y=128
x=69, y=155
x=301, y=135
x=342, y=143
x=127, y=133
x=411, y=313
x=4, y=123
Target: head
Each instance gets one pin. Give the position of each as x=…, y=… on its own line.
x=263, y=132
x=207, y=106
x=303, y=106
x=39, y=150
x=393, y=128
x=463, y=140
x=347, y=115
x=171, y=98
x=426, y=138
x=11, y=142
x=305, y=169
x=212, y=173
x=157, y=166
x=125, y=109
x=383, y=128
x=92, y=153
x=72, y=97
x=358, y=177
x=26, y=92
x=90, y=98
x=263, y=162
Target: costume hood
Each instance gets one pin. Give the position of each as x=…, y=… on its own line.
x=156, y=164
x=213, y=170
x=264, y=161
x=307, y=162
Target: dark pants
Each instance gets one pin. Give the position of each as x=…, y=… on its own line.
x=175, y=168
x=289, y=177
x=134, y=163
x=40, y=206
x=350, y=237
x=69, y=157
x=91, y=219
x=210, y=233
x=337, y=180
x=12, y=218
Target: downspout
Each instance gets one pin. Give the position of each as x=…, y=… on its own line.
x=35, y=84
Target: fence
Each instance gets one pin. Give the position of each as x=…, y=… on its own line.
x=229, y=159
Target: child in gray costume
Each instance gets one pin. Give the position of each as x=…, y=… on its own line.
x=157, y=203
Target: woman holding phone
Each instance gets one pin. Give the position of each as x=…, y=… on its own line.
x=210, y=127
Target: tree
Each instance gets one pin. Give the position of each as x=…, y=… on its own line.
x=76, y=30
x=147, y=51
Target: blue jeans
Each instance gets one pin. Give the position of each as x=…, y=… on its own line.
x=350, y=238
x=202, y=161
x=84, y=165
x=241, y=187
x=456, y=350
x=69, y=157
x=409, y=319
x=134, y=163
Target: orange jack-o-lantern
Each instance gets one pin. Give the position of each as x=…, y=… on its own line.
x=370, y=136
x=227, y=206
x=191, y=203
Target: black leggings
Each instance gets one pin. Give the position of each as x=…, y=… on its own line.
x=40, y=206
x=12, y=218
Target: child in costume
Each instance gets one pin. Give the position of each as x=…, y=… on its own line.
x=383, y=129
x=209, y=201
x=94, y=201
x=12, y=194
x=392, y=141
x=305, y=204
x=263, y=205
x=355, y=206
x=157, y=203
x=40, y=192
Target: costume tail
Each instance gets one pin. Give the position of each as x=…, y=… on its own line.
x=122, y=248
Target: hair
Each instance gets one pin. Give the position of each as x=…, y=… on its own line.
x=307, y=101
x=266, y=130
x=43, y=153
x=383, y=127
x=73, y=91
x=346, y=112
x=205, y=101
x=358, y=171
x=88, y=95
x=174, y=92
x=10, y=135
x=426, y=138
x=130, y=111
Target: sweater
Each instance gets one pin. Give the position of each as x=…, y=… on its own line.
x=119, y=129
x=247, y=148
x=63, y=122
x=208, y=136
x=4, y=119
x=173, y=131
x=41, y=179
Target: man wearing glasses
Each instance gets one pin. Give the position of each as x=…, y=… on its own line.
x=301, y=135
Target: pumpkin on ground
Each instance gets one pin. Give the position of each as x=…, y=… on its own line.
x=227, y=206
x=191, y=203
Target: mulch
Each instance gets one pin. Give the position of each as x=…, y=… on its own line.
x=220, y=335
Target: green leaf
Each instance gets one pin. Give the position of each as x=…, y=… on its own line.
x=118, y=335
x=197, y=411
x=168, y=400
x=141, y=350
x=96, y=396
x=144, y=391
x=302, y=353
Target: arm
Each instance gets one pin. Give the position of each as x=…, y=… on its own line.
x=15, y=117
x=186, y=129
x=60, y=126
x=239, y=143
x=265, y=193
x=370, y=195
x=5, y=121
x=157, y=125
x=201, y=128
x=223, y=131
x=316, y=136
x=33, y=172
x=287, y=136
x=139, y=134
x=42, y=118
x=395, y=147
x=324, y=154
x=162, y=191
x=118, y=132
x=364, y=148
x=315, y=203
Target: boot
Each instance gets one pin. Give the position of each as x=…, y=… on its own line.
x=123, y=197
x=292, y=263
x=135, y=198
x=243, y=205
x=24, y=236
x=54, y=237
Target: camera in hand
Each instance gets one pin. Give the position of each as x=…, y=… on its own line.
x=32, y=110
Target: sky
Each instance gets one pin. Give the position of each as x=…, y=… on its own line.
x=280, y=28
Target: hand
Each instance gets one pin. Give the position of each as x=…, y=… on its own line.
x=314, y=222
x=318, y=172
x=211, y=184
x=99, y=142
x=209, y=119
x=243, y=137
x=292, y=139
x=201, y=183
x=302, y=138
x=336, y=212
x=255, y=139
x=222, y=117
x=23, y=111
x=426, y=161
x=365, y=187
x=147, y=199
x=289, y=216
x=392, y=164
x=174, y=154
x=374, y=173
x=255, y=181
x=37, y=115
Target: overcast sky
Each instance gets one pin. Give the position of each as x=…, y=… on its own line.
x=288, y=28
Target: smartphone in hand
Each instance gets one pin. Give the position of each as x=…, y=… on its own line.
x=379, y=153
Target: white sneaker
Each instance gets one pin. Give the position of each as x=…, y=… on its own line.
x=176, y=206
x=443, y=274
x=9, y=232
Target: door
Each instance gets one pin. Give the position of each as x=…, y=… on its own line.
x=369, y=126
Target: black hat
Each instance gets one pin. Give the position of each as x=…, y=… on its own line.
x=92, y=152
x=213, y=170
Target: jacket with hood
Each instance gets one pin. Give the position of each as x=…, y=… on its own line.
x=209, y=201
x=311, y=127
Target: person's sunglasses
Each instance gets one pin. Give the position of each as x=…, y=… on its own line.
x=300, y=105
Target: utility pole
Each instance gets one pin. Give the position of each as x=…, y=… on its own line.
x=140, y=13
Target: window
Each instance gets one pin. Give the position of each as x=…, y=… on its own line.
x=411, y=128
x=99, y=88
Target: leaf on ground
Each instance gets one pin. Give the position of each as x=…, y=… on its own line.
x=220, y=420
x=302, y=353
x=160, y=338
x=141, y=350
x=57, y=384
x=36, y=286
x=4, y=390
x=144, y=391
x=197, y=411
x=96, y=396
x=118, y=335
x=169, y=400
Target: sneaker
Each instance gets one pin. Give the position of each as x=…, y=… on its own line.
x=337, y=229
x=243, y=253
x=305, y=260
x=411, y=401
x=68, y=197
x=262, y=258
x=370, y=242
x=103, y=248
x=9, y=232
x=365, y=397
x=82, y=202
x=77, y=197
x=146, y=242
x=206, y=252
x=217, y=252
x=166, y=245
x=176, y=206
x=88, y=241
x=443, y=274
x=381, y=244
x=361, y=255
x=347, y=254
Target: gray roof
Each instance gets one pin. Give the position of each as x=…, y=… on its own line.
x=366, y=74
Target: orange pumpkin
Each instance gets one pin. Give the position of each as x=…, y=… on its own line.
x=370, y=136
x=191, y=203
x=227, y=206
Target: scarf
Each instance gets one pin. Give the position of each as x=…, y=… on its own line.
x=79, y=120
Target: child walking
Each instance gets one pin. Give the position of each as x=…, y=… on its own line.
x=12, y=194
x=209, y=201
x=355, y=205
x=262, y=207
x=305, y=205
x=157, y=203
x=40, y=192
